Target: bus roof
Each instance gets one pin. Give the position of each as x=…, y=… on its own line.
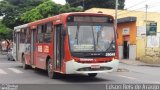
x=52, y=18
x=17, y=28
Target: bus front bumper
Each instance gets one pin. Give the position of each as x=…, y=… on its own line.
x=73, y=67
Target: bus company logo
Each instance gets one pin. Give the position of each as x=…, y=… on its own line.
x=110, y=54
x=85, y=59
x=39, y=48
x=95, y=54
x=46, y=49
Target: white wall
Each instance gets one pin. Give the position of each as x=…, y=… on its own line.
x=132, y=52
x=120, y=49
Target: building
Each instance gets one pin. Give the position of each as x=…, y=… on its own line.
x=134, y=42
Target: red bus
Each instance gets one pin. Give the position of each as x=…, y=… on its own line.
x=69, y=43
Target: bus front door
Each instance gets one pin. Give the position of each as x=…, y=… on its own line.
x=58, y=47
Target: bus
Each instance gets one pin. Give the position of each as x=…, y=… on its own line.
x=68, y=43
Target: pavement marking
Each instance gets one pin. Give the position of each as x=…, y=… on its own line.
x=2, y=71
x=127, y=77
x=15, y=70
x=156, y=82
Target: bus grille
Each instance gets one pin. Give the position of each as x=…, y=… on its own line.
x=94, y=62
x=94, y=69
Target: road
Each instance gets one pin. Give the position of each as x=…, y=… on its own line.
x=11, y=72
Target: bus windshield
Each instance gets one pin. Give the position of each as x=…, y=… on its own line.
x=91, y=37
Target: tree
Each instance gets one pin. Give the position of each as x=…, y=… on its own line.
x=67, y=8
x=12, y=10
x=5, y=33
x=47, y=9
x=87, y=4
x=18, y=12
x=43, y=10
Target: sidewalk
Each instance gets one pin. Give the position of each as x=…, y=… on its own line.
x=137, y=63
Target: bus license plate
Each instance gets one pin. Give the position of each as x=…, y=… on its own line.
x=95, y=66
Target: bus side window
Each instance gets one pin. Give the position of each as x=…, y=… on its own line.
x=22, y=35
x=40, y=34
x=28, y=36
x=48, y=33
x=44, y=33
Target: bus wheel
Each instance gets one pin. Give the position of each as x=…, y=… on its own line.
x=25, y=66
x=92, y=74
x=51, y=73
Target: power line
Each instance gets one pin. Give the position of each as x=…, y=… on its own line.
x=129, y=11
x=151, y=5
x=133, y=5
x=136, y=9
x=137, y=4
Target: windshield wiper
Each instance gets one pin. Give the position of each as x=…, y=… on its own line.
x=77, y=32
x=94, y=39
x=110, y=46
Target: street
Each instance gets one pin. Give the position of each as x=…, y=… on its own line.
x=11, y=72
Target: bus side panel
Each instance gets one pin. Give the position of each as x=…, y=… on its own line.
x=14, y=51
x=27, y=54
x=41, y=53
x=17, y=45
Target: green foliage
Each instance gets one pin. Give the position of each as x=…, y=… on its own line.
x=47, y=9
x=18, y=12
x=96, y=3
x=41, y=11
x=67, y=8
x=13, y=9
x=31, y=16
x=5, y=33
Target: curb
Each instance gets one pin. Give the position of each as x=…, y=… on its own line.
x=143, y=64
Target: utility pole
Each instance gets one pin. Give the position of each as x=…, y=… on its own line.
x=146, y=6
x=116, y=10
x=146, y=14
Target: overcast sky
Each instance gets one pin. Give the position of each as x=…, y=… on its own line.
x=139, y=5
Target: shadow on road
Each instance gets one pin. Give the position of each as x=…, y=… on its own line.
x=79, y=78
x=72, y=78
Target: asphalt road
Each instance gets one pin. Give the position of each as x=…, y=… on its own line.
x=11, y=72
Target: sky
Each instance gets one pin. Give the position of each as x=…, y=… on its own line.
x=138, y=5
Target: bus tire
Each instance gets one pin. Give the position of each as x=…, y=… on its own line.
x=51, y=73
x=24, y=65
x=92, y=74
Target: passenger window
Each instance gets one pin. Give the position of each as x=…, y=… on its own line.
x=40, y=34
x=48, y=34
x=28, y=36
x=22, y=35
x=44, y=33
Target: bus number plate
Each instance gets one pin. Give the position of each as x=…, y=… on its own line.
x=95, y=66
